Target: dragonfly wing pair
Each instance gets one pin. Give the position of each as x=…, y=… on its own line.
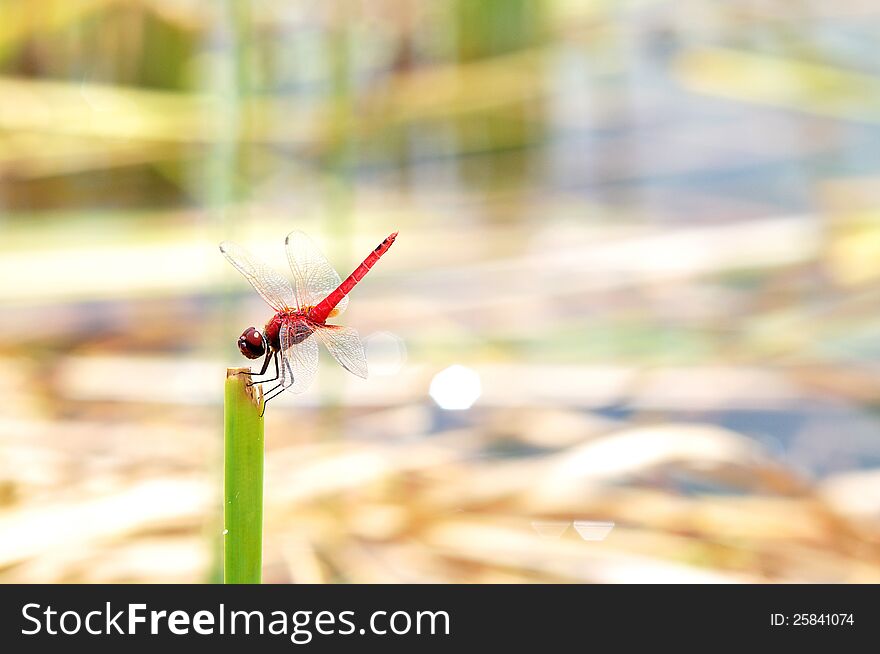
x=300, y=360
x=313, y=276
x=313, y=279
x=267, y=282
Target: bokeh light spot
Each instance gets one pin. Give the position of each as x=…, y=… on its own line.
x=590, y=530
x=456, y=388
x=386, y=353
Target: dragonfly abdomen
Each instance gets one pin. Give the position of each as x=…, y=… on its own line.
x=321, y=311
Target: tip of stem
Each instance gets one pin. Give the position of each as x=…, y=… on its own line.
x=234, y=372
x=254, y=392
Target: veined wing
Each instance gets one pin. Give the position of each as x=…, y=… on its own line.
x=271, y=285
x=313, y=276
x=299, y=356
x=345, y=346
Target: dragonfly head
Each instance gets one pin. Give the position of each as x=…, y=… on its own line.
x=252, y=343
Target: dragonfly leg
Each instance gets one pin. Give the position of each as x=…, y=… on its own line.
x=263, y=371
x=279, y=388
x=271, y=394
x=265, y=366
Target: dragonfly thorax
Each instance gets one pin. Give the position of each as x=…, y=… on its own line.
x=300, y=328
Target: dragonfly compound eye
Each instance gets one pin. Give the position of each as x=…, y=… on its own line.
x=251, y=343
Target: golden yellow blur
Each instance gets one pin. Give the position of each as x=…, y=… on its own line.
x=629, y=332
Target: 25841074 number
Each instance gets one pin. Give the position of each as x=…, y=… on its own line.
x=812, y=619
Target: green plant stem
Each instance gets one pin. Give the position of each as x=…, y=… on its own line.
x=243, y=481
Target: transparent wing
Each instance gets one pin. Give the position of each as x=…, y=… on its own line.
x=299, y=356
x=345, y=346
x=270, y=284
x=313, y=276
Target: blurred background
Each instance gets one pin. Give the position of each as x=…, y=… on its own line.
x=629, y=330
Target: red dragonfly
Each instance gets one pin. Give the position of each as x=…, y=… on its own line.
x=301, y=313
